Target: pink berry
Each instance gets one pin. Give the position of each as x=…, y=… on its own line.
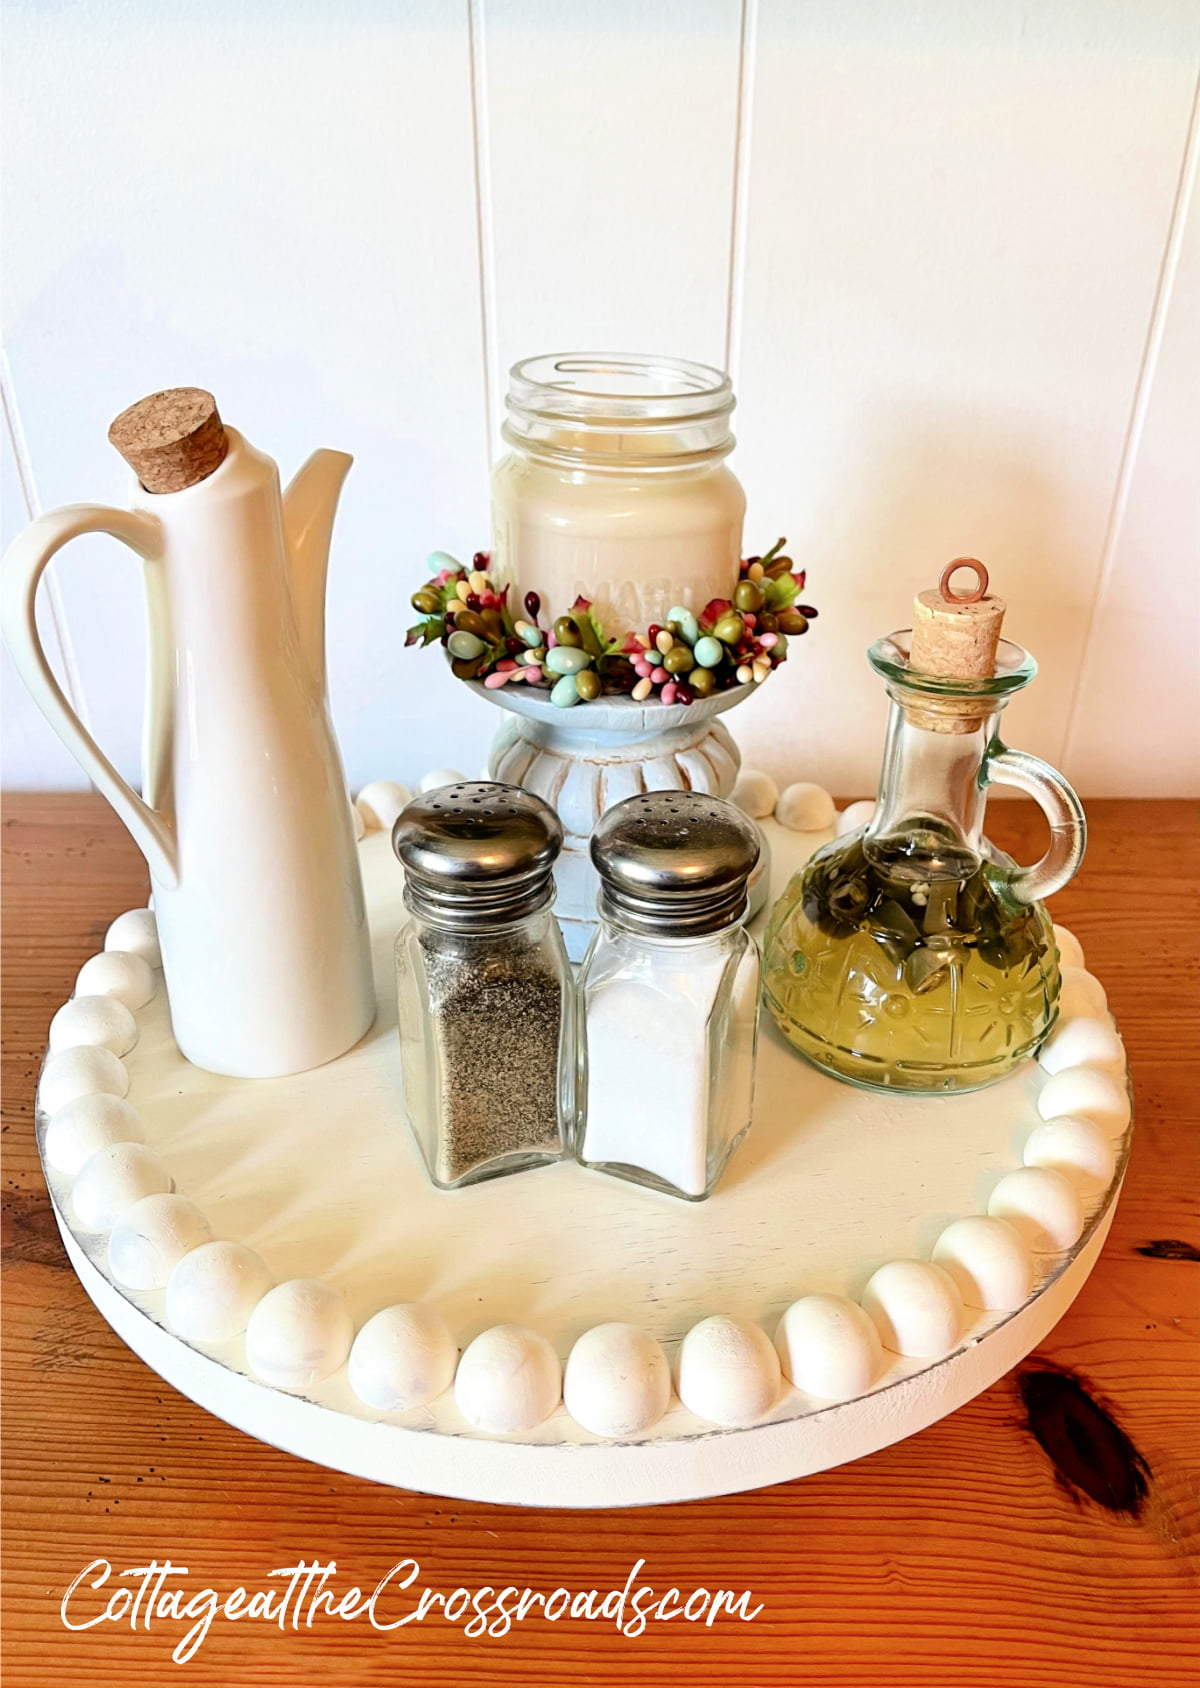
x=769, y=641
x=508, y=666
x=669, y=691
x=643, y=670
x=495, y=680
x=659, y=676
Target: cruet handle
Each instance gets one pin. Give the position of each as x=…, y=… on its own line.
x=1061, y=807
x=23, y=568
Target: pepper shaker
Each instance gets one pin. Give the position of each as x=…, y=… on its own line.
x=669, y=993
x=484, y=988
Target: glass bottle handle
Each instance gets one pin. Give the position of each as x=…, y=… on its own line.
x=1061, y=807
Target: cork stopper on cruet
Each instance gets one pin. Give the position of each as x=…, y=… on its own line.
x=171, y=440
x=954, y=637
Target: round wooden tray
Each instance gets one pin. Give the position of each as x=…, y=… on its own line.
x=320, y=1175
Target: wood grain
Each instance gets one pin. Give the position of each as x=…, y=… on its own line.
x=963, y=1556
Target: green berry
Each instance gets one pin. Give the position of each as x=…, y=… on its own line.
x=566, y=631
x=702, y=682
x=747, y=598
x=678, y=660
x=465, y=645
x=587, y=684
x=427, y=601
x=730, y=629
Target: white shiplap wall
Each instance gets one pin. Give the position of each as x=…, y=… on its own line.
x=949, y=251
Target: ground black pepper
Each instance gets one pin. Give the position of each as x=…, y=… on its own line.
x=495, y=1002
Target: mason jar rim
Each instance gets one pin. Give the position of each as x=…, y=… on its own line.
x=617, y=392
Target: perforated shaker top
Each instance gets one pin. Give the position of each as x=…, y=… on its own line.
x=477, y=852
x=674, y=863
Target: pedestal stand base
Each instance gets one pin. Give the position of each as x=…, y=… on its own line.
x=586, y=759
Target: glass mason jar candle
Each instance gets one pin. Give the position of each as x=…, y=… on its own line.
x=669, y=993
x=616, y=489
x=485, y=992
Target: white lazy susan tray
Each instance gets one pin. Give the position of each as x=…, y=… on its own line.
x=319, y=1175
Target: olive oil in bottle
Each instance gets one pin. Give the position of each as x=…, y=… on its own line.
x=910, y=972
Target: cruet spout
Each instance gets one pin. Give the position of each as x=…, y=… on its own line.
x=309, y=505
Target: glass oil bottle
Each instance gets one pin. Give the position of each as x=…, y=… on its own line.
x=912, y=954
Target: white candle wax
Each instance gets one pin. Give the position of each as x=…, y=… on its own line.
x=635, y=544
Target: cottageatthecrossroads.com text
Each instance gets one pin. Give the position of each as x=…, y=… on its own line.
x=153, y=1595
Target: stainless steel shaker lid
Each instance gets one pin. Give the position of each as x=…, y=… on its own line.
x=477, y=852
x=674, y=863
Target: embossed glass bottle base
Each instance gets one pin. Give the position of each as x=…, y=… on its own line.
x=901, y=974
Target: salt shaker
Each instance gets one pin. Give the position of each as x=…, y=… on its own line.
x=669, y=993
x=485, y=990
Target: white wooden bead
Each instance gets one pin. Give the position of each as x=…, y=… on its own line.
x=1083, y=1042
x=509, y=1379
x=855, y=815
x=439, y=777
x=755, y=793
x=829, y=1347
x=299, y=1334
x=402, y=1358
x=1081, y=994
x=1086, y=1092
x=113, y=1180
x=1042, y=1206
x=380, y=803
x=1070, y=950
x=617, y=1381
x=117, y=973
x=136, y=933
x=916, y=1308
x=150, y=1239
x=213, y=1290
x=805, y=807
x=1078, y=1148
x=87, y=1124
x=728, y=1371
x=101, y=1021
x=988, y=1260
x=87, y=1070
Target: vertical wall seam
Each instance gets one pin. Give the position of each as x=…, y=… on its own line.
x=484, y=222
x=64, y=647
x=739, y=206
x=1139, y=408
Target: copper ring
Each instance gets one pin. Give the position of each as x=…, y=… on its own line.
x=981, y=581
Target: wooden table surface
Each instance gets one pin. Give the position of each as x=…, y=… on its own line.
x=1045, y=1536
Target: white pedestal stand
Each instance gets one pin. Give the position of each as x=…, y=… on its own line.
x=585, y=759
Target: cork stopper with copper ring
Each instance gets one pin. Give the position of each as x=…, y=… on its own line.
x=172, y=439
x=954, y=637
